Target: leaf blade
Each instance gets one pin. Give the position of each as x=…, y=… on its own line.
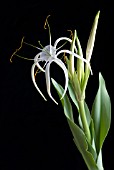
x=101, y=114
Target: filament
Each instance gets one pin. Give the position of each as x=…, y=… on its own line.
x=23, y=57
x=32, y=45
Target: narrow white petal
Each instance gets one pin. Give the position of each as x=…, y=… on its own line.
x=61, y=64
x=34, y=82
x=47, y=74
x=36, y=60
x=47, y=71
x=75, y=55
x=63, y=38
x=38, y=65
x=37, y=57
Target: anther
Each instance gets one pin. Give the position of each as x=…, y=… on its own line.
x=46, y=22
x=71, y=34
x=17, y=50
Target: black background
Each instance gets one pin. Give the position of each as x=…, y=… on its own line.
x=34, y=134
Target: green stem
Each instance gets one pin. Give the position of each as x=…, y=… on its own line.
x=84, y=120
x=86, y=77
x=80, y=100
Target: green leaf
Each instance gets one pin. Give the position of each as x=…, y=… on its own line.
x=83, y=146
x=78, y=134
x=101, y=114
x=72, y=95
x=65, y=101
x=87, y=112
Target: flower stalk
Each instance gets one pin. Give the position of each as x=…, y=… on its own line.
x=84, y=120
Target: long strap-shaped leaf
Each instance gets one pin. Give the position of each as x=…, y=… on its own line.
x=78, y=134
x=101, y=114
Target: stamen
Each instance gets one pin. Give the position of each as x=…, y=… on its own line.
x=71, y=34
x=32, y=45
x=23, y=57
x=40, y=44
x=44, y=48
x=16, y=50
x=46, y=22
x=62, y=45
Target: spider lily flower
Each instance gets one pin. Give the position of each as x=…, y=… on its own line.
x=49, y=54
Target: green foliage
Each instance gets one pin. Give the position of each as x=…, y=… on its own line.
x=98, y=121
x=78, y=134
x=101, y=114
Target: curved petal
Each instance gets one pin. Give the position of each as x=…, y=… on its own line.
x=36, y=61
x=61, y=64
x=63, y=38
x=37, y=57
x=38, y=65
x=47, y=72
x=33, y=79
x=75, y=55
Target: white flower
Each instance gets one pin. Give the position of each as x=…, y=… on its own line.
x=50, y=54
